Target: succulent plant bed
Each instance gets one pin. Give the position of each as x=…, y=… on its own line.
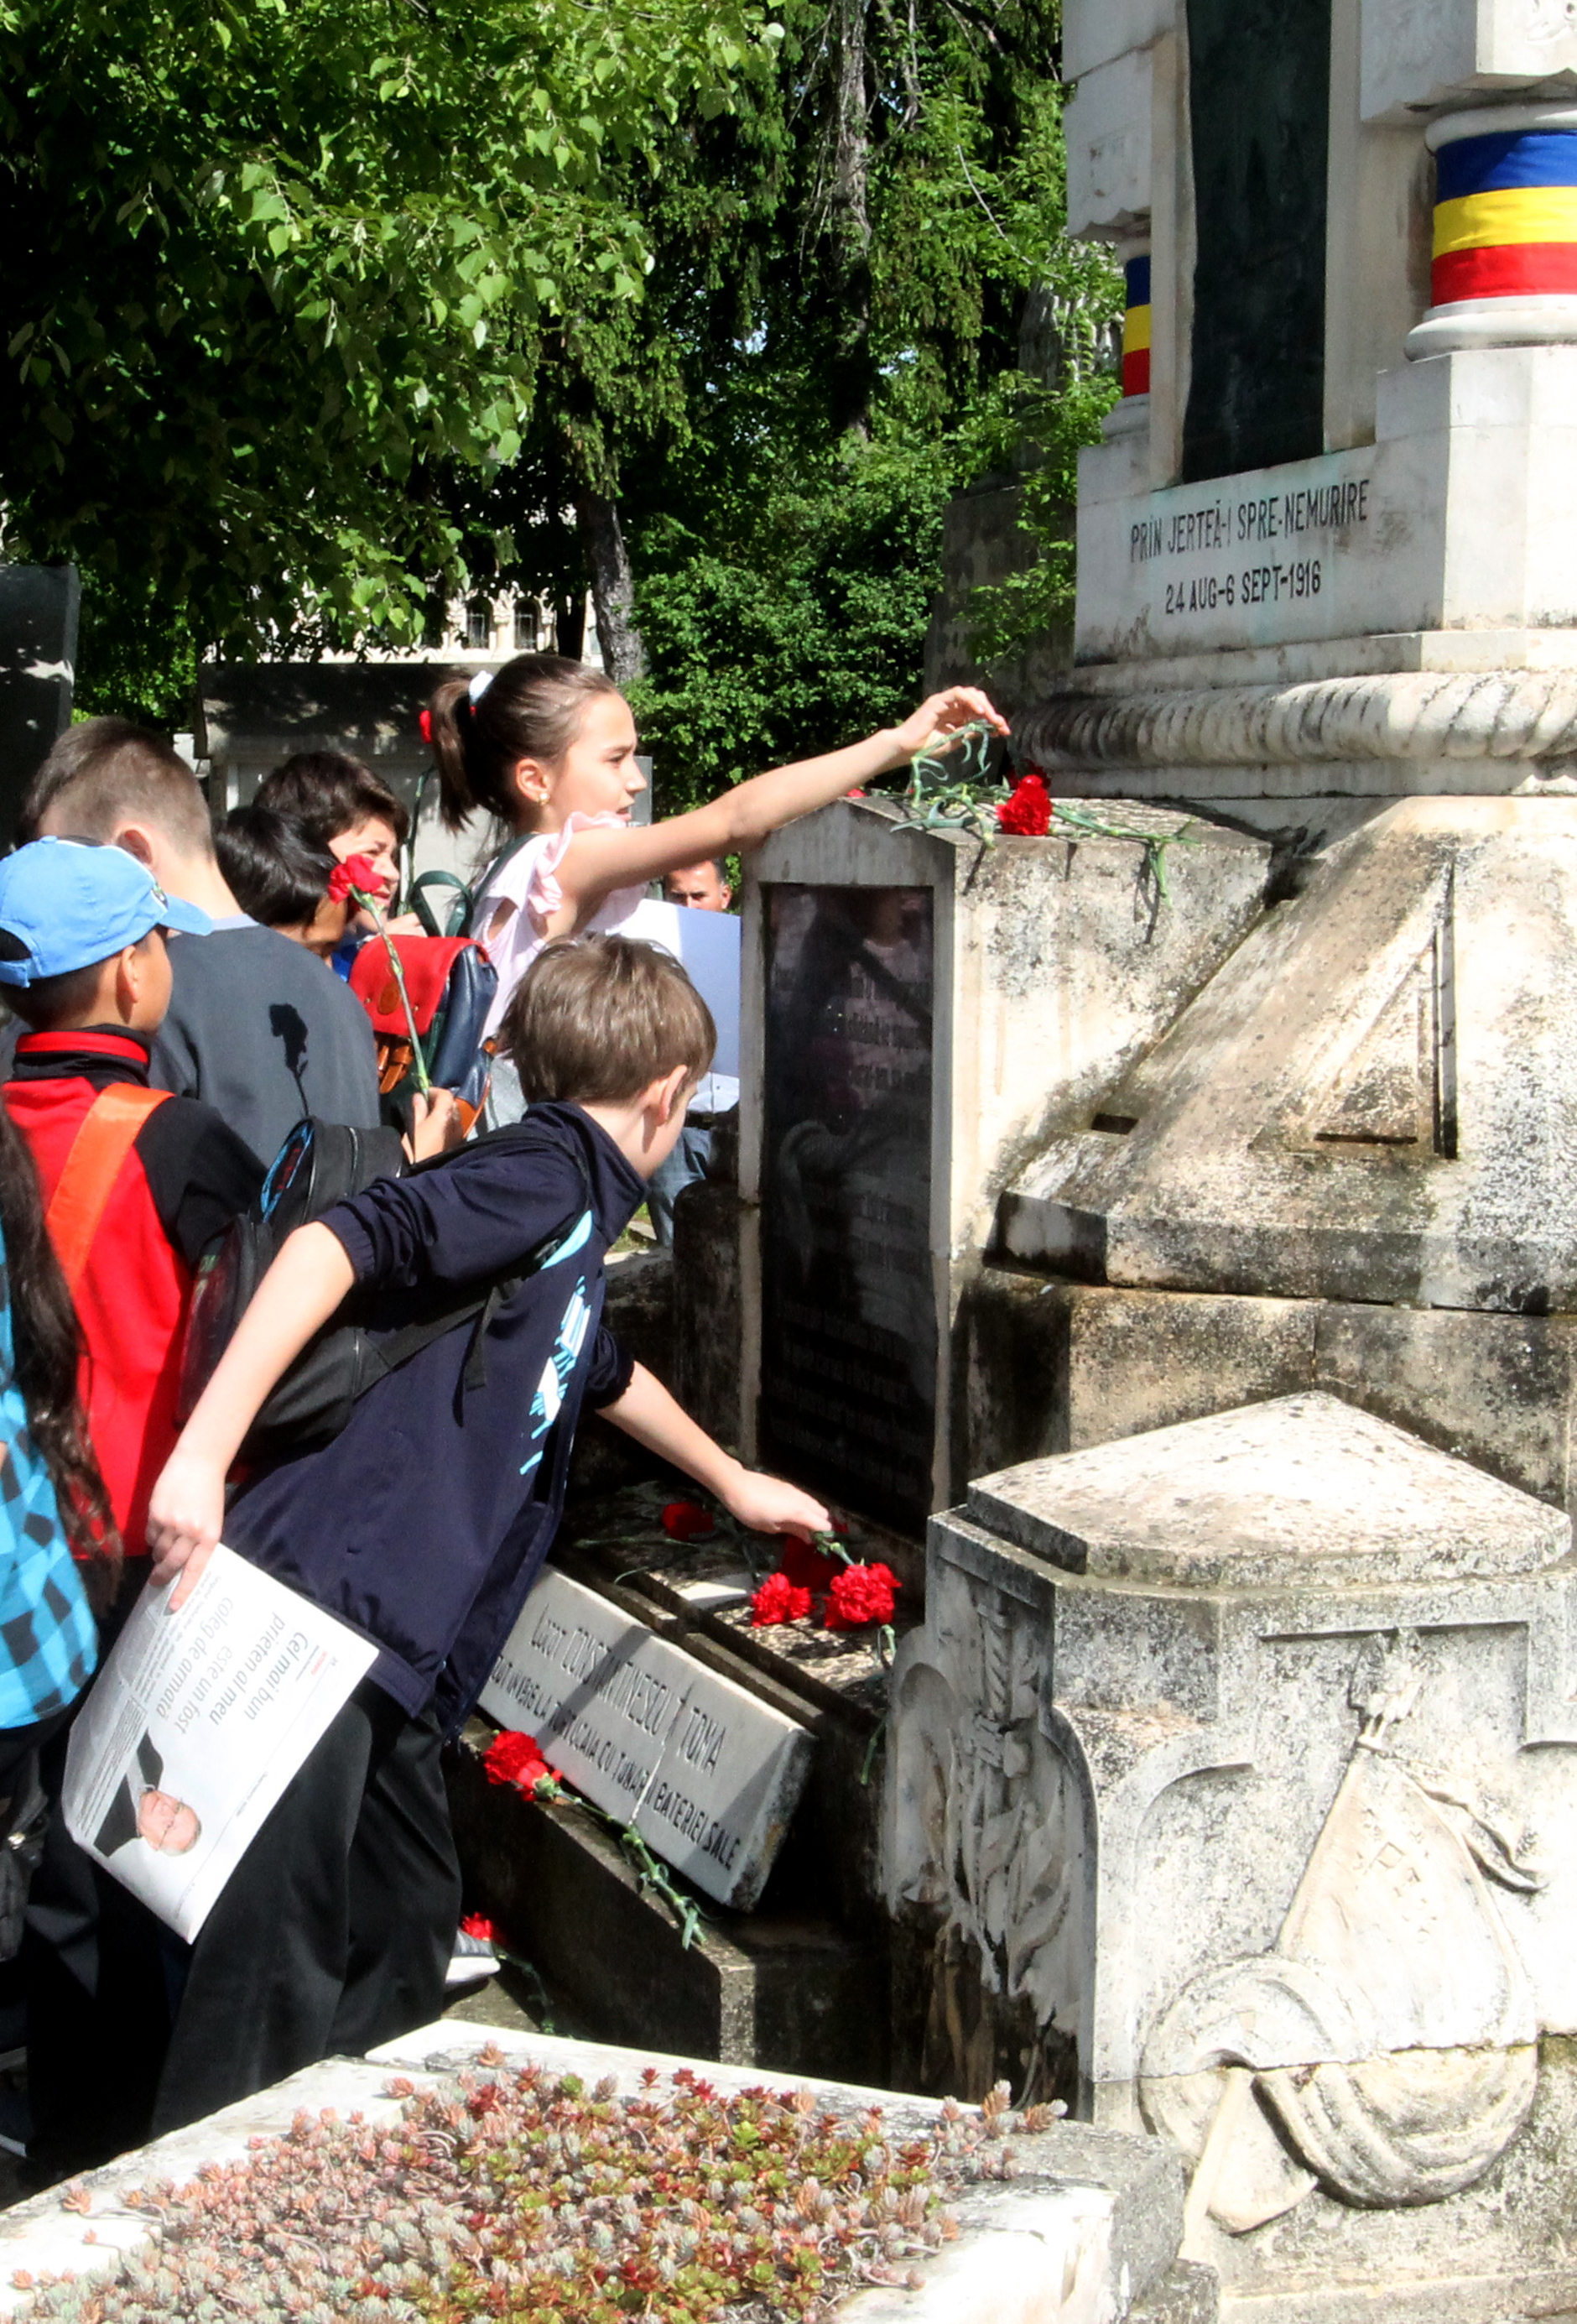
x=539, y=2181
x=527, y=2195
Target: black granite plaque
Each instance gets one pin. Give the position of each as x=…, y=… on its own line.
x=848, y=1300
x=1259, y=92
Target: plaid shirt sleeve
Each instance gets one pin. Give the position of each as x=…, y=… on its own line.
x=48, y=1642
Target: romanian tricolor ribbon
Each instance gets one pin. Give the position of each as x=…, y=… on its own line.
x=1506, y=216
x=1135, y=327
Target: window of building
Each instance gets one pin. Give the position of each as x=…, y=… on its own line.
x=527, y=631
x=479, y=626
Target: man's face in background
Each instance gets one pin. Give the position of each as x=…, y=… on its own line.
x=700, y=886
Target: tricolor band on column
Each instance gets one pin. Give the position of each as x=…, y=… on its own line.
x=1505, y=269
x=1136, y=326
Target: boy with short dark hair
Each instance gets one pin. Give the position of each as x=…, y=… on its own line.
x=425, y=1522
x=339, y=804
x=255, y=1026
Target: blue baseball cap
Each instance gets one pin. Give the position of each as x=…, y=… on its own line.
x=67, y=904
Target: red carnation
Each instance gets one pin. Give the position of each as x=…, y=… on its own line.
x=355, y=872
x=808, y=1567
x=779, y=1600
x=861, y=1594
x=1028, y=814
x=424, y=726
x=514, y=1758
x=688, y=1520
x=477, y=1924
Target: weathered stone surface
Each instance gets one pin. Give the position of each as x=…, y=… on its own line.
x=1370, y=1102
x=707, y=1772
x=1300, y=1489
x=1053, y=1366
x=1286, y=1863
x=1187, y=2293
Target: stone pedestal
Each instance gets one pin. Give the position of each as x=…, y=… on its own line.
x=920, y=1014
x=1235, y=1780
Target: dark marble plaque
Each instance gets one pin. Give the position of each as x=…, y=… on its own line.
x=848, y=1299
x=1258, y=90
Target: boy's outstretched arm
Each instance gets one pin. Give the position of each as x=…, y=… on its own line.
x=296, y=1297
x=647, y=1412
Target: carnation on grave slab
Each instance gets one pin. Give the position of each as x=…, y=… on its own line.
x=861, y=1594
x=779, y=1600
x=514, y=1758
x=687, y=1521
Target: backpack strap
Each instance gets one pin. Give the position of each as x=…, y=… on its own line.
x=106, y=1135
x=459, y=914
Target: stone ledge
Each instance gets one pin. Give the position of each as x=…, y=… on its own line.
x=1489, y=715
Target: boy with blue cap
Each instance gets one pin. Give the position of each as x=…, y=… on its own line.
x=137, y=1183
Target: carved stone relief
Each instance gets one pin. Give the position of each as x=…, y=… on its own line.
x=1386, y=2047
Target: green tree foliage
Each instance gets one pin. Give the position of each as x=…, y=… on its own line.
x=851, y=361
x=276, y=268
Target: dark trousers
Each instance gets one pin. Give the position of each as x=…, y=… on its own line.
x=332, y=1934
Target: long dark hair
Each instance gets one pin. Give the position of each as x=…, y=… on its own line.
x=532, y=710
x=47, y=1346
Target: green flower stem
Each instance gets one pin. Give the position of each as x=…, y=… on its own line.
x=423, y=1079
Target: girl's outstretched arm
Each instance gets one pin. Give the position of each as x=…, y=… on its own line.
x=296, y=1297
x=598, y=860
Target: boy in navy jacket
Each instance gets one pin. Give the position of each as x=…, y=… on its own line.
x=424, y=1524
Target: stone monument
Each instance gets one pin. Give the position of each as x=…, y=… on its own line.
x=1234, y=1792
x=1324, y=552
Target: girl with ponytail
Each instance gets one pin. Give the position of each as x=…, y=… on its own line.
x=548, y=747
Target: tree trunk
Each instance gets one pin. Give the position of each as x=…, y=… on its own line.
x=846, y=184
x=613, y=585
x=569, y=623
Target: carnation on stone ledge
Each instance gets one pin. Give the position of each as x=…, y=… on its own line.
x=861, y=1594
x=778, y=1599
x=514, y=1758
x=687, y=1521
x=1026, y=814
x=477, y=1924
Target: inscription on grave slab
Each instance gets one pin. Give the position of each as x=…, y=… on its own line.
x=708, y=1775
x=848, y=1299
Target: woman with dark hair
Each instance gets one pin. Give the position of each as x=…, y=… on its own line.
x=55, y=1524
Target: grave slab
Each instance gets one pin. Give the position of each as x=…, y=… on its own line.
x=708, y=1774
x=1090, y=2223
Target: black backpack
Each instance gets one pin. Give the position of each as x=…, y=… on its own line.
x=319, y=1164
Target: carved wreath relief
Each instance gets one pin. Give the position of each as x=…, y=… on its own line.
x=1386, y=2047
